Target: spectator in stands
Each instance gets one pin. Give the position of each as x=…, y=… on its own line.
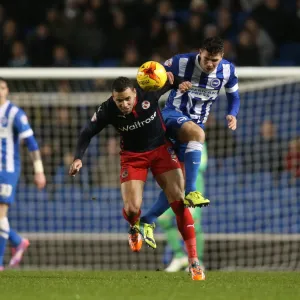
x=19, y=57
x=117, y=35
x=40, y=46
x=192, y=31
x=2, y=16
x=265, y=154
x=154, y=39
x=61, y=57
x=92, y=30
x=200, y=7
x=225, y=23
x=246, y=50
x=7, y=38
x=87, y=40
x=131, y=57
x=102, y=13
x=229, y=51
x=166, y=14
x=59, y=27
x=174, y=44
x=262, y=40
x=220, y=141
x=107, y=170
x=292, y=159
x=294, y=19
x=210, y=30
x=271, y=17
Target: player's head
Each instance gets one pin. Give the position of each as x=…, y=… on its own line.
x=211, y=53
x=3, y=89
x=124, y=94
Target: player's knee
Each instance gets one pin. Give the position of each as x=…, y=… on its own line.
x=174, y=192
x=191, y=132
x=131, y=209
x=165, y=222
x=4, y=227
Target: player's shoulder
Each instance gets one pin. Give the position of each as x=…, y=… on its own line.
x=225, y=62
x=106, y=106
x=176, y=58
x=15, y=109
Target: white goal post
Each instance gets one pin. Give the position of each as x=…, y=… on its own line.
x=251, y=223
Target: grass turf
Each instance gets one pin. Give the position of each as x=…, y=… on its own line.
x=131, y=285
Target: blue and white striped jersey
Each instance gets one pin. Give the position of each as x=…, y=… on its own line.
x=14, y=126
x=196, y=102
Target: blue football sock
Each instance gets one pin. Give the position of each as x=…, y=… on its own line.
x=157, y=209
x=4, y=232
x=192, y=160
x=14, y=238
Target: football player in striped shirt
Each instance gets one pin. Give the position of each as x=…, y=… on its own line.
x=14, y=127
x=185, y=113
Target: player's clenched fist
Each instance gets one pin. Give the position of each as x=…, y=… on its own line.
x=184, y=86
x=75, y=167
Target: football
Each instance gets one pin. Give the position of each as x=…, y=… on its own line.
x=151, y=76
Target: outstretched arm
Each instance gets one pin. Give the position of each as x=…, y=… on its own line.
x=232, y=93
x=99, y=120
x=83, y=142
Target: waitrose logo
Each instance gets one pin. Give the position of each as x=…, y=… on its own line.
x=138, y=124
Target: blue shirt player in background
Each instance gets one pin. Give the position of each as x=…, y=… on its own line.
x=14, y=127
x=185, y=113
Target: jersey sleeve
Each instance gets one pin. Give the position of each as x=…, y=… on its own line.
x=172, y=65
x=232, y=92
x=99, y=120
x=22, y=127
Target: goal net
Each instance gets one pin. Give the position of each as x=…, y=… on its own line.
x=252, y=177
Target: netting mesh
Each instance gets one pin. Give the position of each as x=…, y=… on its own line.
x=252, y=180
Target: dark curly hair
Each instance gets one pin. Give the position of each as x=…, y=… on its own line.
x=120, y=84
x=213, y=45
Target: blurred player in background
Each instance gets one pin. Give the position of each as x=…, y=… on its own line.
x=136, y=115
x=186, y=113
x=14, y=127
x=166, y=220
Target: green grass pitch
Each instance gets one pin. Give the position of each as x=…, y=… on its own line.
x=139, y=285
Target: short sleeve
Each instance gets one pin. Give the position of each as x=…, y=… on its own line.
x=22, y=125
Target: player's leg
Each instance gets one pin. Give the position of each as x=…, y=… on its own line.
x=183, y=130
x=132, y=192
x=134, y=169
x=4, y=232
x=157, y=209
x=169, y=176
x=19, y=246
